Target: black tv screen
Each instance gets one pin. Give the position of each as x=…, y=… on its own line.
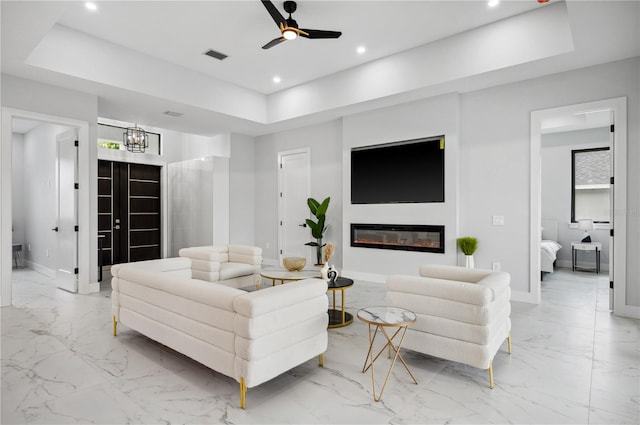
x=411, y=171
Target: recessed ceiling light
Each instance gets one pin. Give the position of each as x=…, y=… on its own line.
x=493, y=3
x=91, y=6
x=361, y=49
x=276, y=79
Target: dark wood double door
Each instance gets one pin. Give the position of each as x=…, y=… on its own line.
x=128, y=212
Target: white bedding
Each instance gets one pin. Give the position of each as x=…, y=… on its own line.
x=548, y=254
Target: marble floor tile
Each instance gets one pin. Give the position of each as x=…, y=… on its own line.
x=573, y=362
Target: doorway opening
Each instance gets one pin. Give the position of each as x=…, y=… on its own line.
x=38, y=183
x=610, y=114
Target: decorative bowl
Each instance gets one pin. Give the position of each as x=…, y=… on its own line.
x=294, y=264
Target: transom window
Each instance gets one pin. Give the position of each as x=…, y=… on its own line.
x=110, y=137
x=590, y=179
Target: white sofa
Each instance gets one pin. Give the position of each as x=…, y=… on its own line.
x=237, y=266
x=462, y=314
x=249, y=336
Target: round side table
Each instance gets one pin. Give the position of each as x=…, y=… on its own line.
x=339, y=318
x=383, y=317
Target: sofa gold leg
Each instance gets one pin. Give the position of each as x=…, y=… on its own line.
x=509, y=343
x=243, y=394
x=491, y=375
x=115, y=326
x=321, y=360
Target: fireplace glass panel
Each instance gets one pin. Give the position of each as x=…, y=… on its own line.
x=399, y=237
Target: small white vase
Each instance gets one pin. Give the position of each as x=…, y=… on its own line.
x=324, y=271
x=469, y=261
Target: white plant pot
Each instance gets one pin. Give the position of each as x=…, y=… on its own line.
x=324, y=271
x=469, y=261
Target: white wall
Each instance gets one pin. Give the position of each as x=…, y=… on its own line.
x=242, y=190
x=325, y=142
x=40, y=197
x=431, y=117
x=556, y=191
x=495, y=143
x=190, y=204
x=493, y=169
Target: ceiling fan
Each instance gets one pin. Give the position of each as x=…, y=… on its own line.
x=289, y=27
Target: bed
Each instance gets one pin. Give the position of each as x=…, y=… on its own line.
x=549, y=246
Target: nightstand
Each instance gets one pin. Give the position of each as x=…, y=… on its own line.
x=585, y=246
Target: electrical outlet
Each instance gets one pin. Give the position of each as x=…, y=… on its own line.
x=495, y=266
x=498, y=220
x=47, y=252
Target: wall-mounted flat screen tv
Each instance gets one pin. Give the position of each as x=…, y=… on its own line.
x=411, y=171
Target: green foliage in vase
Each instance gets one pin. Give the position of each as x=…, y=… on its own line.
x=318, y=227
x=468, y=245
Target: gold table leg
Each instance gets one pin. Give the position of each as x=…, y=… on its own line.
x=390, y=345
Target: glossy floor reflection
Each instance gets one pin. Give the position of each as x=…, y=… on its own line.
x=572, y=362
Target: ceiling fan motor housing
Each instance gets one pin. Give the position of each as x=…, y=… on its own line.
x=291, y=23
x=290, y=6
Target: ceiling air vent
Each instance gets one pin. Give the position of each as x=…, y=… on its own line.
x=173, y=113
x=216, y=55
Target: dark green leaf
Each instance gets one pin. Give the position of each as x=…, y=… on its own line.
x=322, y=208
x=313, y=205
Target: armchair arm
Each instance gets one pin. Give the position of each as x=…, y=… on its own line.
x=245, y=254
x=462, y=274
x=496, y=281
x=203, y=253
x=463, y=292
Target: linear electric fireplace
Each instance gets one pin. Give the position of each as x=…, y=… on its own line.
x=404, y=237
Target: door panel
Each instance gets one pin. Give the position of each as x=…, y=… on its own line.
x=294, y=182
x=132, y=225
x=105, y=210
x=144, y=205
x=67, y=214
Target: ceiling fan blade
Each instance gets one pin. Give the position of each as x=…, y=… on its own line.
x=275, y=14
x=274, y=42
x=319, y=33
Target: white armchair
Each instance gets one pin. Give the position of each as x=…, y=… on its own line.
x=237, y=266
x=462, y=314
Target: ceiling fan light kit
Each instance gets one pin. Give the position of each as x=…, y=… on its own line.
x=289, y=27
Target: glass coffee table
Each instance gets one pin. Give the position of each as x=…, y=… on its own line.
x=383, y=317
x=283, y=275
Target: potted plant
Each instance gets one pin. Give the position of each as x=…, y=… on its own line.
x=319, y=211
x=468, y=245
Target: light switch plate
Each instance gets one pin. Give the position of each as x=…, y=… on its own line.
x=498, y=220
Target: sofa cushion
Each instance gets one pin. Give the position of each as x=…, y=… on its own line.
x=213, y=295
x=176, y=266
x=232, y=270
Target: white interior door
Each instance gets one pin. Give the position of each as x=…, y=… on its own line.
x=294, y=182
x=67, y=211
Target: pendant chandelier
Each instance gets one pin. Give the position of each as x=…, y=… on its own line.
x=135, y=139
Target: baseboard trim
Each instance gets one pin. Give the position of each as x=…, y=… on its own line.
x=566, y=264
x=524, y=297
x=369, y=277
x=40, y=269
